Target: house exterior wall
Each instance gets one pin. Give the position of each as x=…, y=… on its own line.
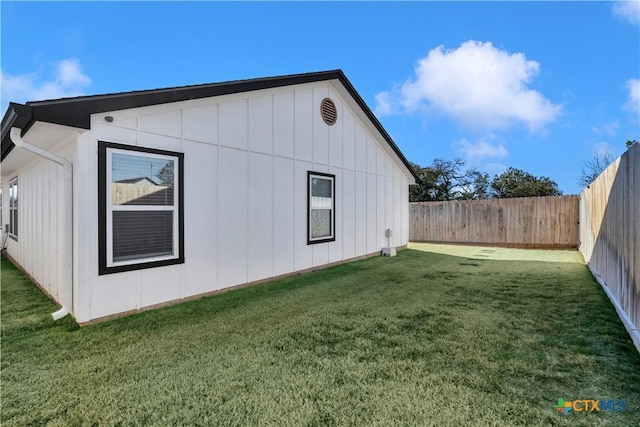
x=246, y=159
x=39, y=244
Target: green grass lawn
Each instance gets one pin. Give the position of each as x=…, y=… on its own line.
x=439, y=335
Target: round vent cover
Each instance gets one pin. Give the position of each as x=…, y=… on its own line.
x=328, y=111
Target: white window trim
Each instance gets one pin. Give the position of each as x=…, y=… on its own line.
x=310, y=207
x=13, y=209
x=111, y=208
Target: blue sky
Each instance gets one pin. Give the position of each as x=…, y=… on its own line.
x=541, y=86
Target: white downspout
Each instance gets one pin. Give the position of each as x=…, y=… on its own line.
x=67, y=234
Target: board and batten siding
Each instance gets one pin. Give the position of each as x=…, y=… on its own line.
x=39, y=246
x=522, y=221
x=610, y=235
x=246, y=158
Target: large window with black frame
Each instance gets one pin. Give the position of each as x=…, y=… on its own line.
x=142, y=208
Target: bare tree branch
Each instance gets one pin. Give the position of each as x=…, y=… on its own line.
x=594, y=167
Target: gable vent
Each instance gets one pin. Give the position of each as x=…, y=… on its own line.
x=328, y=111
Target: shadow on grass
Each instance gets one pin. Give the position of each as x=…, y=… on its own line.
x=421, y=338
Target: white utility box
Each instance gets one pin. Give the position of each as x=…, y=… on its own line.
x=388, y=250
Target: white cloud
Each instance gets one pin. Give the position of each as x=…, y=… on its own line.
x=628, y=10
x=383, y=104
x=608, y=129
x=70, y=73
x=495, y=168
x=68, y=79
x=633, y=102
x=476, y=84
x=603, y=149
x=475, y=152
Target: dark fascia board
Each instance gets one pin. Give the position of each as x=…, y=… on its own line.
x=76, y=112
x=363, y=105
x=19, y=116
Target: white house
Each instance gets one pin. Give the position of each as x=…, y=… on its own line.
x=121, y=202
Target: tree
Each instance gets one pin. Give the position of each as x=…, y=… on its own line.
x=166, y=174
x=422, y=191
x=448, y=180
x=480, y=186
x=594, y=167
x=518, y=183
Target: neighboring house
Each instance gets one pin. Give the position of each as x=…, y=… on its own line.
x=131, y=200
x=143, y=181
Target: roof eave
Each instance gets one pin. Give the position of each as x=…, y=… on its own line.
x=76, y=112
x=376, y=123
x=17, y=115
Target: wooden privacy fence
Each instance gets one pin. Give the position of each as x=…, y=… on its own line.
x=610, y=235
x=124, y=193
x=519, y=222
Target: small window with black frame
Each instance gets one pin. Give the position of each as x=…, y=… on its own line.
x=321, y=207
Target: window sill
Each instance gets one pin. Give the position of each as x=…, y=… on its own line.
x=313, y=242
x=139, y=266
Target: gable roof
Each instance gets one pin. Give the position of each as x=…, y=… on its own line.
x=136, y=180
x=76, y=112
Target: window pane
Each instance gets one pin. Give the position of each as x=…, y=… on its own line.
x=13, y=193
x=320, y=202
x=13, y=207
x=320, y=223
x=142, y=234
x=140, y=180
x=321, y=187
